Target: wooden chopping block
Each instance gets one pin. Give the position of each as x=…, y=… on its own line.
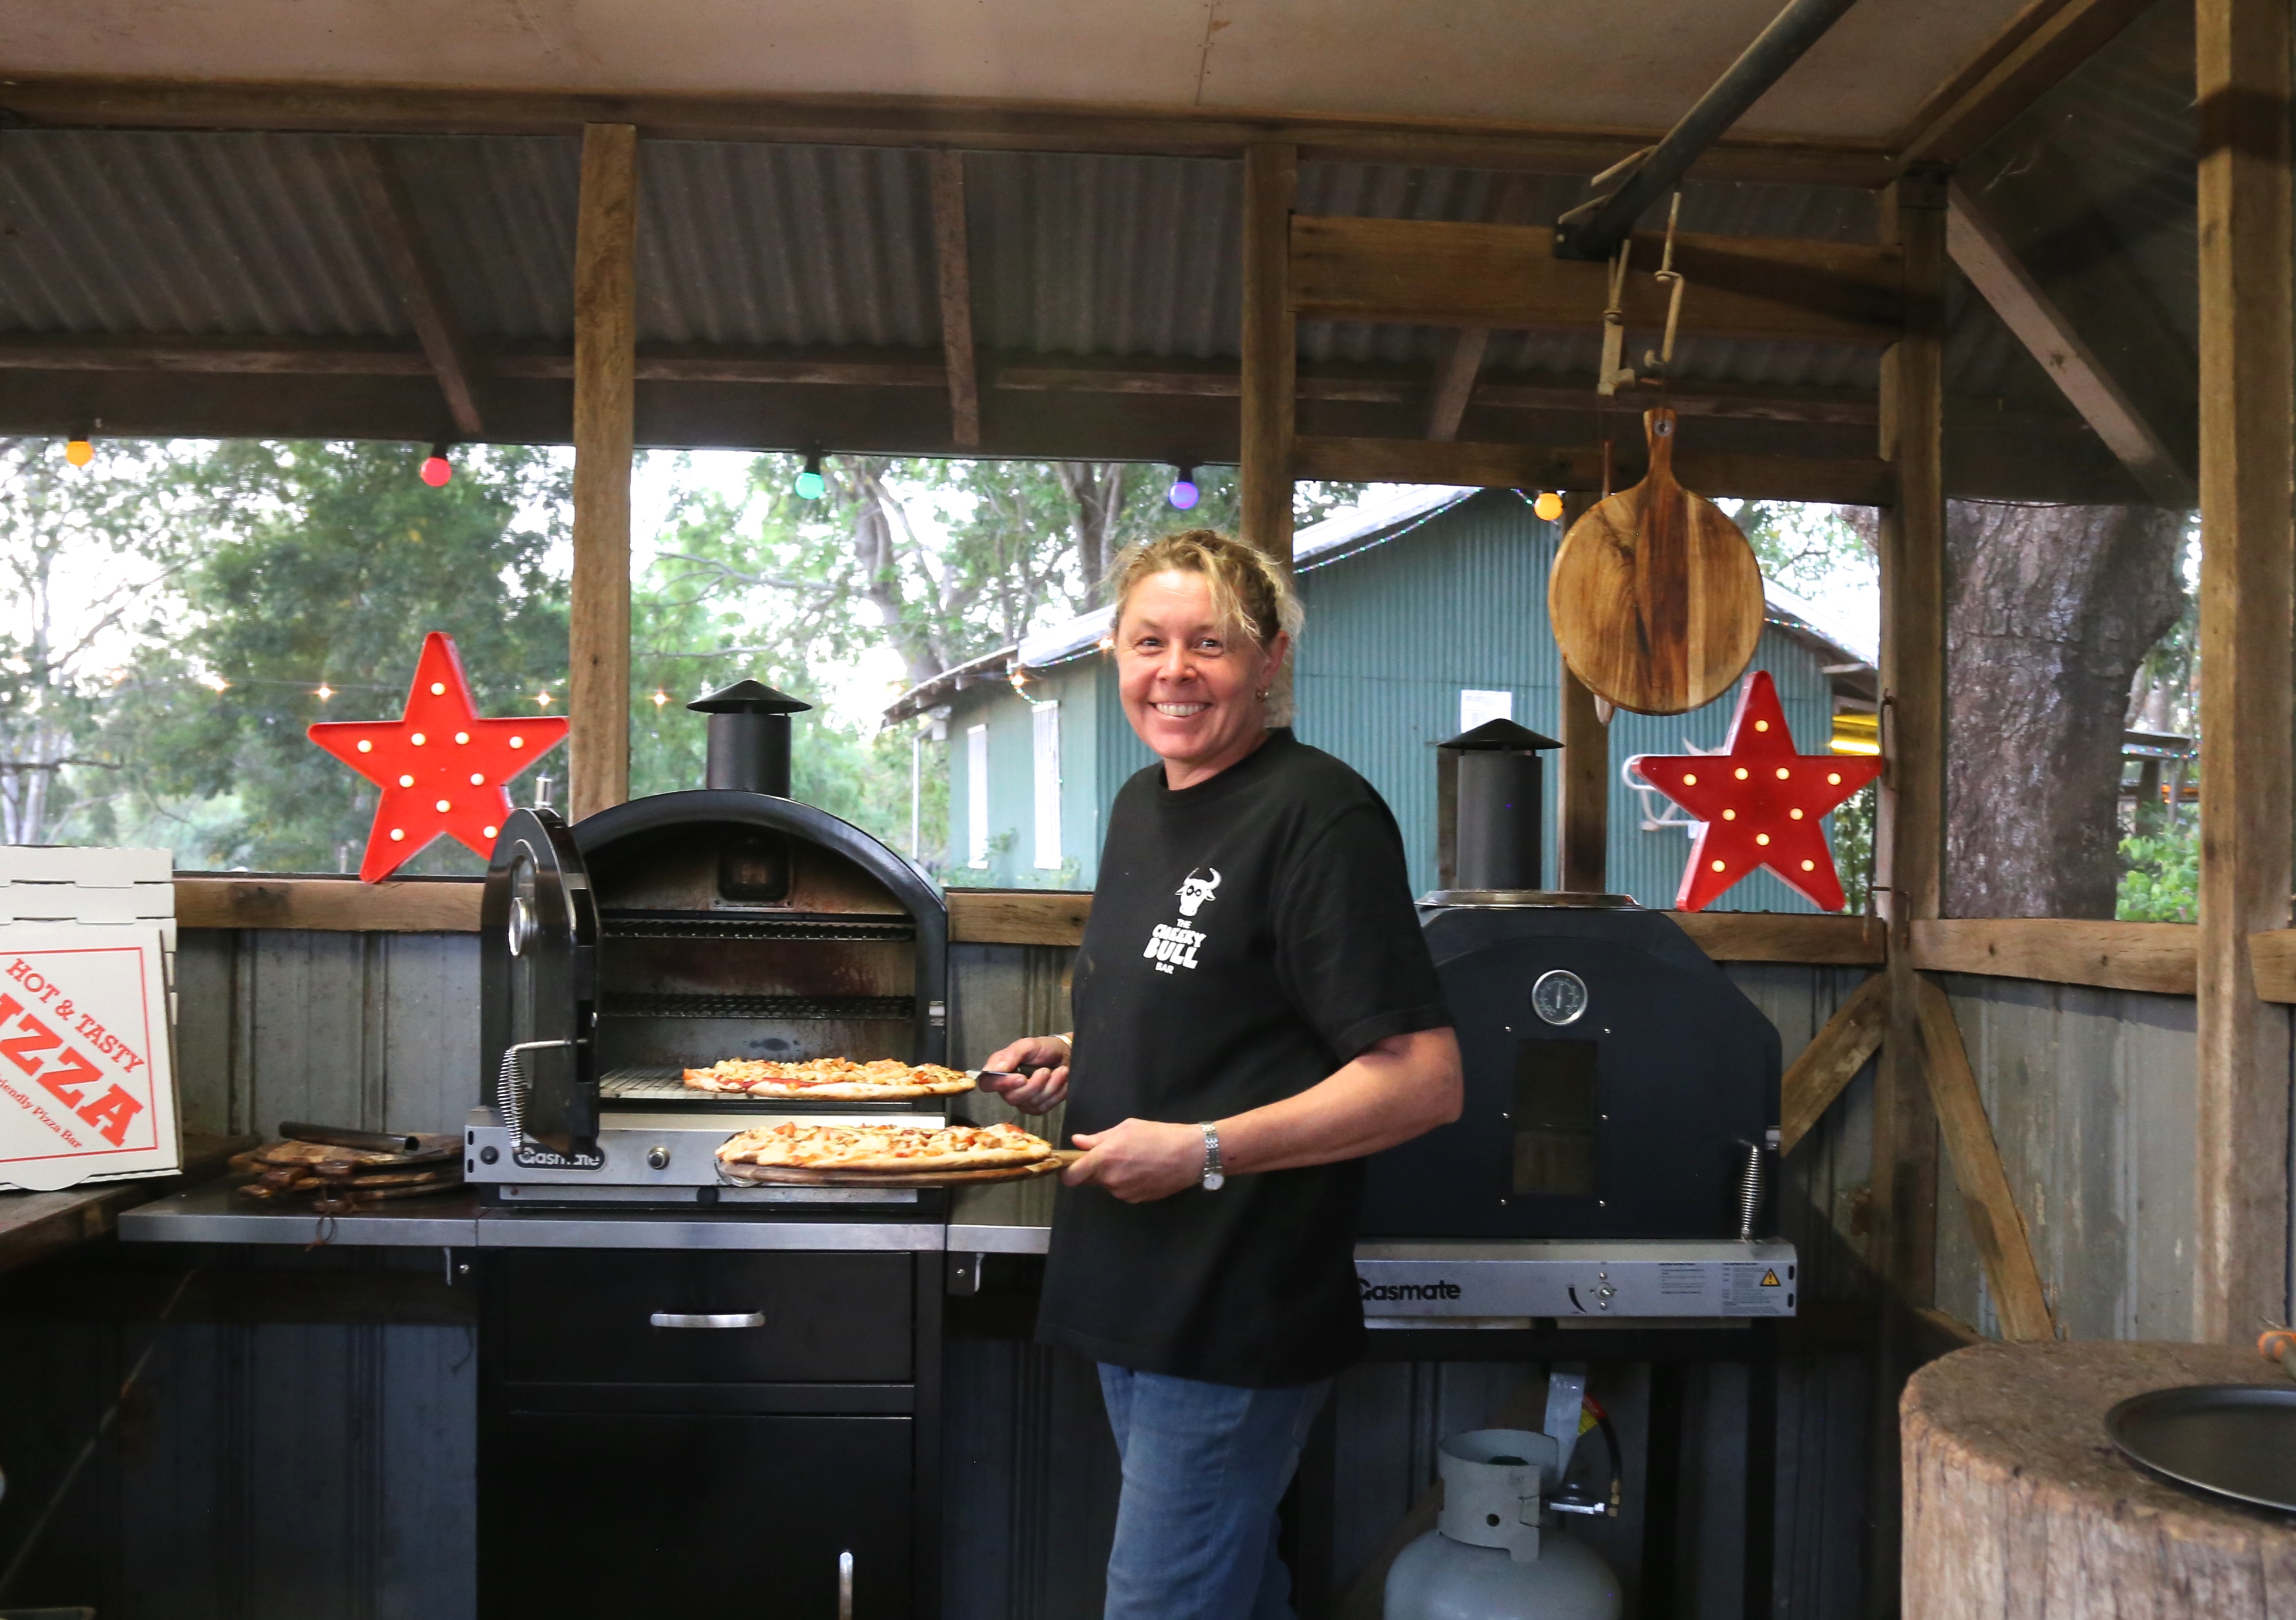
x=1656, y=598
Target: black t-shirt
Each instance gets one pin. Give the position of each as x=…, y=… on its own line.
x=1249, y=936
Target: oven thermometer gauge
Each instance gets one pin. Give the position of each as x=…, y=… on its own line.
x=1559, y=996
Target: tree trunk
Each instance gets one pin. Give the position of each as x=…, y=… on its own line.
x=1096, y=489
x=2049, y=610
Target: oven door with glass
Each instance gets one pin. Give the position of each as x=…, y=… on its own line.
x=1615, y=1079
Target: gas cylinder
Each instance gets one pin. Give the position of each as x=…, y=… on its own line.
x=1490, y=1557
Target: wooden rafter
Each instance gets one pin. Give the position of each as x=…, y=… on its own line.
x=2004, y=1245
x=421, y=287
x=2073, y=364
x=931, y=122
x=1418, y=460
x=1832, y=1060
x=952, y=251
x=2040, y=48
x=1455, y=381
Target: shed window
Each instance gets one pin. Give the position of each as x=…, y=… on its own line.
x=1045, y=720
x=1477, y=707
x=976, y=796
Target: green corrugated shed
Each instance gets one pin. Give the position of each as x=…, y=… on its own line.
x=1399, y=623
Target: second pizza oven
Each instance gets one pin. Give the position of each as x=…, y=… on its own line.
x=675, y=930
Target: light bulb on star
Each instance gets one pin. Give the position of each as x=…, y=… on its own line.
x=440, y=766
x=1761, y=802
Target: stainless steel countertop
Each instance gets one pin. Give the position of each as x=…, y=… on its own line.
x=214, y=1213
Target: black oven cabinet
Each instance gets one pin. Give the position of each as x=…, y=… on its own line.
x=631, y=1468
x=1616, y=1084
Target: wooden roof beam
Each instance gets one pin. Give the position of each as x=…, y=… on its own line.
x=933, y=123
x=953, y=252
x=2045, y=42
x=2109, y=408
x=1418, y=460
x=422, y=289
x=1431, y=273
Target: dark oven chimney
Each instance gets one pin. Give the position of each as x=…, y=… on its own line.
x=1490, y=798
x=750, y=736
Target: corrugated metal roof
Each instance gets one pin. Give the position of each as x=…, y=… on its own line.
x=769, y=244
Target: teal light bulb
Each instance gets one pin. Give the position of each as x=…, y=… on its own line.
x=810, y=485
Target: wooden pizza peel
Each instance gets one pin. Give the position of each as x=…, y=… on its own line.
x=782, y=1175
x=1656, y=598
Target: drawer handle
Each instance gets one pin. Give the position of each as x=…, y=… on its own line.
x=707, y=1318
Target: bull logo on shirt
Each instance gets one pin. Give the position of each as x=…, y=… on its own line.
x=1173, y=944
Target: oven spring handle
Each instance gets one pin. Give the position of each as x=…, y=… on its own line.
x=845, y=1586
x=707, y=1318
x=510, y=1097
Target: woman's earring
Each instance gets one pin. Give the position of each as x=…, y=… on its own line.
x=1264, y=693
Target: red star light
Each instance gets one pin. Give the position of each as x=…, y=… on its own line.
x=440, y=767
x=1759, y=802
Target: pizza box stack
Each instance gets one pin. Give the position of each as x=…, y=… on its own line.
x=87, y=1080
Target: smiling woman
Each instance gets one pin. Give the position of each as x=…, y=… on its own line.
x=1256, y=1011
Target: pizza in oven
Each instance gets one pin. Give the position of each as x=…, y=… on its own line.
x=834, y=1079
x=914, y=1149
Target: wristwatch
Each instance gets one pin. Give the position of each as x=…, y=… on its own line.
x=1215, y=1177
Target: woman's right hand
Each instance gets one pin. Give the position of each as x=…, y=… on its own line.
x=1036, y=1073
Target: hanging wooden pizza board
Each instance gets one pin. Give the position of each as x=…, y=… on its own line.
x=1655, y=597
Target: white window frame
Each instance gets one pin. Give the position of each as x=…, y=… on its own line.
x=976, y=796
x=1044, y=763
x=1478, y=706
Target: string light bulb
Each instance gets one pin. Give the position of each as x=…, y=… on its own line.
x=542, y=698
x=660, y=697
x=436, y=467
x=77, y=451
x=1549, y=505
x=1184, y=493
x=810, y=485
x=323, y=692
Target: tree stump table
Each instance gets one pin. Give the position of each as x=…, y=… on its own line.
x=2018, y=1505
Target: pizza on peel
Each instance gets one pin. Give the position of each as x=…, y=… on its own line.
x=832, y=1079
x=911, y=1150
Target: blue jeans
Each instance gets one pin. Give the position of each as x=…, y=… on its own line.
x=1204, y=1466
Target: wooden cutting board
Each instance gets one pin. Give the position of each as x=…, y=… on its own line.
x=1655, y=597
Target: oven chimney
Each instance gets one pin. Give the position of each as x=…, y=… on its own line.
x=1490, y=796
x=750, y=736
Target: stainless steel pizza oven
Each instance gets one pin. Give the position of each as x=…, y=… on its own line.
x=672, y=931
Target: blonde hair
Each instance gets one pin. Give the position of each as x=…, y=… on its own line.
x=1249, y=589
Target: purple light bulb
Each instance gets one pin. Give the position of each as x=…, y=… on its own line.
x=1182, y=493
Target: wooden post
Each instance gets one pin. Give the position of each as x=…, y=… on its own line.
x=605, y=360
x=1582, y=848
x=1912, y=842
x=2248, y=393
x=1271, y=348
x=1910, y=836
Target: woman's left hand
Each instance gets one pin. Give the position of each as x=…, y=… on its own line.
x=1139, y=1161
